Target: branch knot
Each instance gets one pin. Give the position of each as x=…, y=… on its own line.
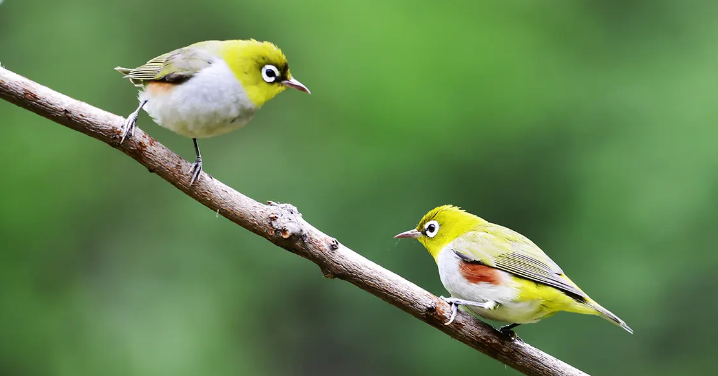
x=285, y=220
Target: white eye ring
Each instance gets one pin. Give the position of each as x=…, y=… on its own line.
x=431, y=228
x=270, y=73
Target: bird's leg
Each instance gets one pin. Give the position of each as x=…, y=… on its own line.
x=196, y=168
x=456, y=302
x=454, y=309
x=128, y=128
x=489, y=304
x=508, y=330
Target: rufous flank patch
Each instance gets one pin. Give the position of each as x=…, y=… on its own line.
x=158, y=87
x=477, y=273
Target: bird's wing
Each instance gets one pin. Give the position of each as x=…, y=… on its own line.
x=176, y=66
x=507, y=250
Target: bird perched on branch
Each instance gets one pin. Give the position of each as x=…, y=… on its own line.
x=209, y=88
x=498, y=273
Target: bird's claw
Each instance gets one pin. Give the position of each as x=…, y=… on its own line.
x=454, y=309
x=195, y=170
x=506, y=330
x=128, y=128
x=456, y=302
x=511, y=334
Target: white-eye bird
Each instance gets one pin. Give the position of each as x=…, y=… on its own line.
x=498, y=273
x=209, y=88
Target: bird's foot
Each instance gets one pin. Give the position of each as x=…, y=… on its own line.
x=456, y=302
x=454, y=309
x=508, y=331
x=195, y=170
x=128, y=128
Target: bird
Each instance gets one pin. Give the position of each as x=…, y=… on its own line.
x=498, y=273
x=208, y=88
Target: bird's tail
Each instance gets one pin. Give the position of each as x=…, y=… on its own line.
x=124, y=71
x=606, y=314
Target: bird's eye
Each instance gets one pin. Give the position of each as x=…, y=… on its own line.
x=431, y=228
x=270, y=73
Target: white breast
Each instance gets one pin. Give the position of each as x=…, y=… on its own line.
x=459, y=287
x=505, y=293
x=211, y=103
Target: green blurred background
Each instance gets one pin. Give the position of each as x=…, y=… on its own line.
x=590, y=127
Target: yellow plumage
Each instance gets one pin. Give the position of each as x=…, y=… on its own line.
x=236, y=52
x=209, y=88
x=512, y=278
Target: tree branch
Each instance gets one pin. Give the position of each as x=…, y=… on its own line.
x=282, y=225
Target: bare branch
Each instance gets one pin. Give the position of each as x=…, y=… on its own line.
x=282, y=225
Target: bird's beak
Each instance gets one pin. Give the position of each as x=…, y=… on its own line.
x=294, y=84
x=409, y=234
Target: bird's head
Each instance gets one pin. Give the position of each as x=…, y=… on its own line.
x=441, y=226
x=261, y=68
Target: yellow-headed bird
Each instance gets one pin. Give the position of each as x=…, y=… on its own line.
x=209, y=88
x=498, y=273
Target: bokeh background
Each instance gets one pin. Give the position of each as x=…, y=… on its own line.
x=588, y=126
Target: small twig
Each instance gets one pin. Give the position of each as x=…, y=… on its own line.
x=282, y=224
